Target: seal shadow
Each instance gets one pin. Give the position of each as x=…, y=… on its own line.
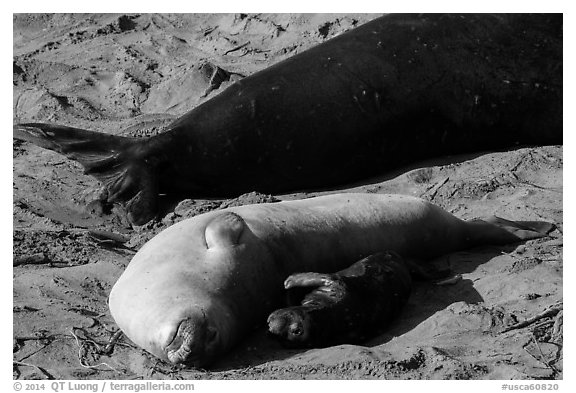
x=426, y=299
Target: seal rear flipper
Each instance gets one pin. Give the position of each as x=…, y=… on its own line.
x=75, y=143
x=136, y=188
x=115, y=160
x=542, y=227
x=522, y=230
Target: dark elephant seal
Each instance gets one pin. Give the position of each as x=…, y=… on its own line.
x=348, y=306
x=392, y=91
x=198, y=287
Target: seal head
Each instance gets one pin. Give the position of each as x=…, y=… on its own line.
x=184, y=298
x=291, y=325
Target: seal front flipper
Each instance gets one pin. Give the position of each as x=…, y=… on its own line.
x=128, y=177
x=300, y=285
x=224, y=230
x=308, y=280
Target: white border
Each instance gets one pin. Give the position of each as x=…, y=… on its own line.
x=299, y=6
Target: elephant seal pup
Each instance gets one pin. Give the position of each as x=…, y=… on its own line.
x=398, y=89
x=198, y=287
x=344, y=307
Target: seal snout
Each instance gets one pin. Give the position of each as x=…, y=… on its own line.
x=277, y=322
x=181, y=349
x=191, y=342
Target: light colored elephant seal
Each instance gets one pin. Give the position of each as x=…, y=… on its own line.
x=198, y=287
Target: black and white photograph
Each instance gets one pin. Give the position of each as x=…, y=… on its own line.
x=287, y=196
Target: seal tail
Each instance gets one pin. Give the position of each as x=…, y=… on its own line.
x=114, y=160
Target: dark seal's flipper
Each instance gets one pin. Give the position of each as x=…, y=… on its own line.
x=128, y=177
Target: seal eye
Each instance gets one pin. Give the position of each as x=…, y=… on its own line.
x=296, y=331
